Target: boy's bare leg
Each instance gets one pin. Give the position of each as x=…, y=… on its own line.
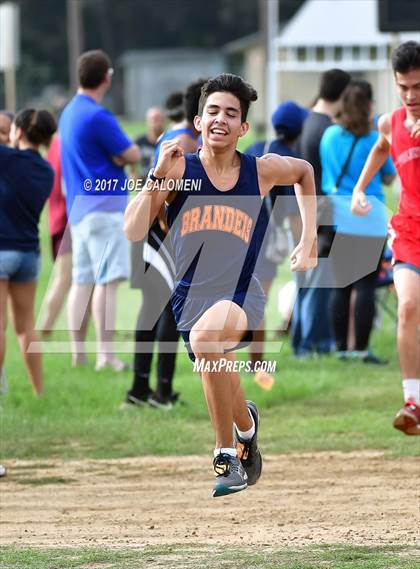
x=222, y=326
x=104, y=309
x=22, y=297
x=78, y=309
x=407, y=284
x=57, y=292
x=4, y=291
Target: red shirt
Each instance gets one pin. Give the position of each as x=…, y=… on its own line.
x=57, y=214
x=405, y=152
x=405, y=225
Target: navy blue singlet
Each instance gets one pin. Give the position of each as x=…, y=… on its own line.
x=213, y=241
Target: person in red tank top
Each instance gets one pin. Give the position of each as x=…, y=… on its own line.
x=60, y=244
x=400, y=136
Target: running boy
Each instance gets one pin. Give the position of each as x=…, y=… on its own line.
x=218, y=301
x=399, y=133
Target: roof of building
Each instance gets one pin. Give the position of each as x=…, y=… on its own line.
x=338, y=23
x=243, y=43
x=139, y=56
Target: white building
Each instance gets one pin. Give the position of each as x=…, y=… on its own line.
x=150, y=75
x=325, y=34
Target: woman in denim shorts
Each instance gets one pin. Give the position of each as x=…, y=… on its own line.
x=25, y=183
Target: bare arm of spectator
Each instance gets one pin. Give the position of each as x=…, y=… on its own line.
x=376, y=159
x=130, y=155
x=111, y=138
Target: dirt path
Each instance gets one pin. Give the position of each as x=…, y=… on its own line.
x=358, y=498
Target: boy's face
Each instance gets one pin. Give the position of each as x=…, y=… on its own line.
x=155, y=121
x=408, y=85
x=221, y=123
x=5, y=124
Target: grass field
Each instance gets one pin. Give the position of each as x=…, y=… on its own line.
x=183, y=558
x=317, y=405
x=321, y=404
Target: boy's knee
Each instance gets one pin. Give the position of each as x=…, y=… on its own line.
x=407, y=312
x=204, y=342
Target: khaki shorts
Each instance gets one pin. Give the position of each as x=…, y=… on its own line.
x=100, y=249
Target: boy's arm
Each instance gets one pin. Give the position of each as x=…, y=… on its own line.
x=375, y=161
x=143, y=210
x=274, y=170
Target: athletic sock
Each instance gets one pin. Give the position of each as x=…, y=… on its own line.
x=411, y=389
x=230, y=451
x=247, y=435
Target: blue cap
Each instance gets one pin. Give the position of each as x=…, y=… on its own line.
x=289, y=118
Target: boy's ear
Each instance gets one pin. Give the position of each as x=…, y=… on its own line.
x=197, y=123
x=244, y=128
x=18, y=133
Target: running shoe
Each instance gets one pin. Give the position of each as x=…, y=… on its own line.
x=230, y=475
x=248, y=451
x=158, y=402
x=407, y=419
x=139, y=400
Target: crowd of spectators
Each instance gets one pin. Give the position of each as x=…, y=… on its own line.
x=91, y=254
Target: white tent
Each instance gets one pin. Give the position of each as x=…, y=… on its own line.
x=326, y=32
x=335, y=33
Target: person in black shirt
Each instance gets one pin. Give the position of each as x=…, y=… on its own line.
x=153, y=271
x=26, y=181
x=311, y=331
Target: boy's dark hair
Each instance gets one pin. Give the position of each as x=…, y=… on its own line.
x=38, y=126
x=406, y=57
x=226, y=82
x=333, y=83
x=92, y=66
x=356, y=108
x=174, y=107
x=192, y=97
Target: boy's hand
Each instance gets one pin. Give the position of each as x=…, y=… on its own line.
x=359, y=203
x=305, y=255
x=170, y=151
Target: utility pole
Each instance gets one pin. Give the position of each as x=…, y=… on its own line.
x=74, y=38
x=269, y=25
x=262, y=17
x=272, y=79
x=9, y=50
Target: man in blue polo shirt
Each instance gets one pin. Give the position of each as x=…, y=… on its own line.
x=94, y=153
